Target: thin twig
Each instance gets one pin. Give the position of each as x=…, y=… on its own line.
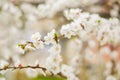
x=26, y=67
x=22, y=67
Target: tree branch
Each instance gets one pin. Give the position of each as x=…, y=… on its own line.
x=22, y=67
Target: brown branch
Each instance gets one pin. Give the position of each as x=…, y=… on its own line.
x=113, y=67
x=32, y=67
x=22, y=67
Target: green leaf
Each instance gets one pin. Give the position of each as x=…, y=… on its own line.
x=48, y=78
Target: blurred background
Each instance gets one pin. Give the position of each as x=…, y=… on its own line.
x=19, y=19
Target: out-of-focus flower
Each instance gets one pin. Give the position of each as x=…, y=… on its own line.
x=2, y=78
x=31, y=72
x=110, y=77
x=3, y=63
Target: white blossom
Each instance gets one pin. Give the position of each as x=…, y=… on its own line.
x=39, y=44
x=50, y=37
x=55, y=49
x=29, y=47
x=86, y=25
x=52, y=7
x=36, y=37
x=20, y=50
x=55, y=69
x=53, y=63
x=72, y=13
x=67, y=31
x=54, y=60
x=72, y=77
x=66, y=70
x=83, y=25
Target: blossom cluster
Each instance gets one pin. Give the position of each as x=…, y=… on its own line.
x=100, y=34
x=87, y=25
x=21, y=16
x=54, y=60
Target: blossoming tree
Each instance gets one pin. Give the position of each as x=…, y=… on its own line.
x=96, y=40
